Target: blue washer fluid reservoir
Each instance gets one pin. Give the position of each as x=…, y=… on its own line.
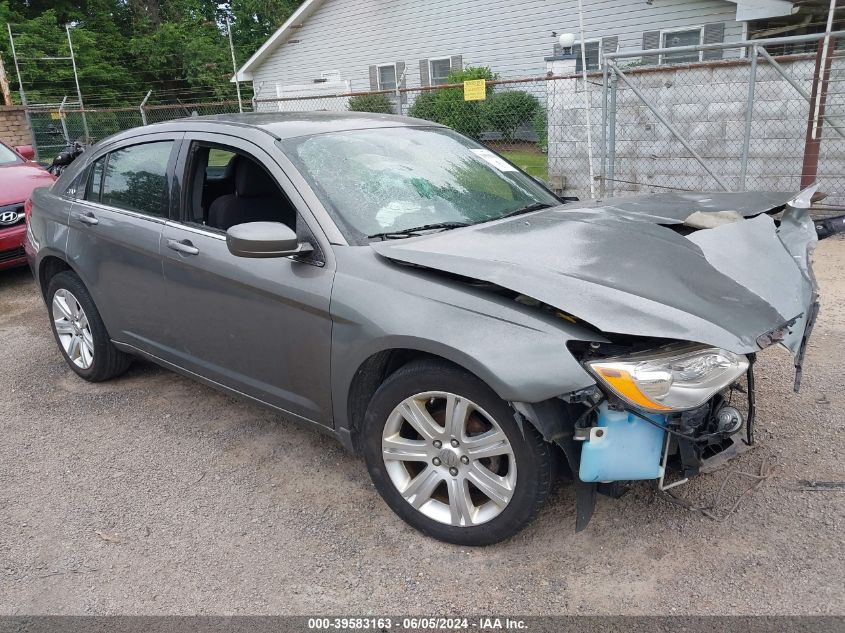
x=622, y=447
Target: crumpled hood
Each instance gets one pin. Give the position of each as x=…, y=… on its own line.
x=675, y=207
x=624, y=272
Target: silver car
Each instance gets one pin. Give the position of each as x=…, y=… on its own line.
x=417, y=296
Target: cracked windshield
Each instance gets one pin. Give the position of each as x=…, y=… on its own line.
x=382, y=183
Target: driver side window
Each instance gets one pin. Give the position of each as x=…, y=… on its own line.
x=226, y=187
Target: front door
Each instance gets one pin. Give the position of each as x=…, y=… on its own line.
x=115, y=232
x=258, y=326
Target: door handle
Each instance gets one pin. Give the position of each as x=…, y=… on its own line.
x=185, y=247
x=87, y=218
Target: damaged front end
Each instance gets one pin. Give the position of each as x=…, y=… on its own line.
x=679, y=407
x=681, y=290
x=631, y=425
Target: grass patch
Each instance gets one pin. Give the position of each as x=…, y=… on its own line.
x=531, y=161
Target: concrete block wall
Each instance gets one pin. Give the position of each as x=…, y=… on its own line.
x=13, y=126
x=707, y=104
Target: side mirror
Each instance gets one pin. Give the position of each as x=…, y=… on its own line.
x=26, y=151
x=264, y=239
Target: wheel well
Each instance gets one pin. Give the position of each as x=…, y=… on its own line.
x=49, y=268
x=371, y=374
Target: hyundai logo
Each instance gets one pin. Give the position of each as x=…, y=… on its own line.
x=9, y=217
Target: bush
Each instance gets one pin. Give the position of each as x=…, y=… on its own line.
x=423, y=107
x=467, y=117
x=506, y=111
x=378, y=103
x=541, y=129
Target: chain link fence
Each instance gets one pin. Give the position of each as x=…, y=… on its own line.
x=54, y=125
x=730, y=124
x=512, y=118
x=737, y=121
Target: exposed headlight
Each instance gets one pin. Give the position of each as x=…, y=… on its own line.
x=671, y=380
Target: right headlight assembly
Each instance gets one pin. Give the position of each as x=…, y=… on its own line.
x=669, y=380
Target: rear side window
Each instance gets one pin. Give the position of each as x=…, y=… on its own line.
x=136, y=178
x=95, y=181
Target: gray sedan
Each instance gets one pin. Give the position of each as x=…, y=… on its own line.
x=417, y=296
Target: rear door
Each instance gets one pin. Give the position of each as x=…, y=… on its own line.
x=258, y=326
x=115, y=232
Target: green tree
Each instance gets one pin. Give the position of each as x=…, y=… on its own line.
x=451, y=109
x=540, y=124
x=423, y=107
x=506, y=111
x=378, y=103
x=177, y=48
x=254, y=21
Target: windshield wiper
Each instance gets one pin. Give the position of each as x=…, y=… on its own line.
x=536, y=206
x=418, y=229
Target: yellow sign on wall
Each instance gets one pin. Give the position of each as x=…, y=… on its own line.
x=475, y=90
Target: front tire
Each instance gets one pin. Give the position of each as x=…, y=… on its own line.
x=80, y=332
x=447, y=455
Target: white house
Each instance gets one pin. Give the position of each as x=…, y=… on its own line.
x=359, y=45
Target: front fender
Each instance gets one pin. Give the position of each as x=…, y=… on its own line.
x=519, y=351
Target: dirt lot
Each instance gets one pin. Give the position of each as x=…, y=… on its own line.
x=152, y=494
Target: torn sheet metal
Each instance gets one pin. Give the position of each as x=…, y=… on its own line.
x=676, y=207
x=757, y=254
x=725, y=286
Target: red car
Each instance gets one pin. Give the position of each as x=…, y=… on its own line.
x=18, y=177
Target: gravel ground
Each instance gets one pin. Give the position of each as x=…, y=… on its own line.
x=152, y=494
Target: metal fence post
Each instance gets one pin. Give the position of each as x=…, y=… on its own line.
x=611, y=160
x=21, y=90
x=798, y=87
x=63, y=120
x=604, y=129
x=669, y=126
x=76, y=79
x=141, y=108
x=749, y=114
x=234, y=65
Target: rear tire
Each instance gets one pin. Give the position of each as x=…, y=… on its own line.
x=475, y=481
x=80, y=332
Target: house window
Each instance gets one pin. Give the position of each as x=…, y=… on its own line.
x=440, y=69
x=592, y=53
x=387, y=77
x=681, y=37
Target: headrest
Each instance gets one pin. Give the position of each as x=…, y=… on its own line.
x=229, y=171
x=251, y=181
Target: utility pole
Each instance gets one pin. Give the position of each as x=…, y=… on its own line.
x=21, y=90
x=818, y=100
x=587, y=100
x=4, y=84
x=234, y=64
x=76, y=79
x=17, y=68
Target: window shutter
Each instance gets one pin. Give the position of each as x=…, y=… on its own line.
x=714, y=33
x=402, y=80
x=576, y=50
x=425, y=77
x=456, y=62
x=651, y=39
x=373, y=78
x=609, y=45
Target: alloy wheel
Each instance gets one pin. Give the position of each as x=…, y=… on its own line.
x=449, y=459
x=73, y=329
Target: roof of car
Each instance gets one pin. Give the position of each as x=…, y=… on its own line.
x=293, y=124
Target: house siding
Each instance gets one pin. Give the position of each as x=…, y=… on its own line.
x=349, y=36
